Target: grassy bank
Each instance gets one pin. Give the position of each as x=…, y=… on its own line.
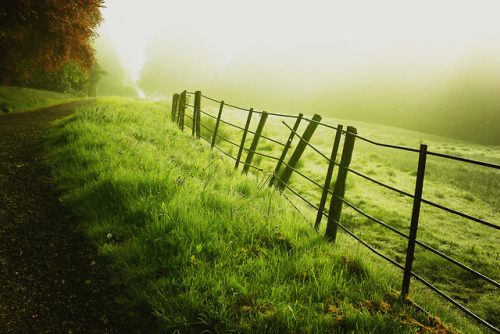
x=206, y=248
x=466, y=188
x=14, y=99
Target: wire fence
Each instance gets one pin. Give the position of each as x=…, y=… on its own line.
x=280, y=177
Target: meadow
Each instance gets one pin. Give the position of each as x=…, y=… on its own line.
x=463, y=187
x=209, y=249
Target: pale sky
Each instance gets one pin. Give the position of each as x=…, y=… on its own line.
x=425, y=34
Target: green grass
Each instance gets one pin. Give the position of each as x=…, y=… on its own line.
x=210, y=250
x=471, y=189
x=14, y=99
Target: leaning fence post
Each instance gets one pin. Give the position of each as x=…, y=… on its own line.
x=175, y=105
x=410, y=251
x=243, y=138
x=182, y=110
x=339, y=189
x=217, y=124
x=255, y=141
x=178, y=111
x=286, y=148
x=301, y=146
x=197, y=104
x=329, y=174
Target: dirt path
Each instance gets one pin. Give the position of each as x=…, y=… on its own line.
x=50, y=278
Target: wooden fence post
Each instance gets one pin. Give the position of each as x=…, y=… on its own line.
x=339, y=190
x=285, y=149
x=214, y=136
x=197, y=104
x=175, y=106
x=195, y=114
x=178, y=110
x=243, y=138
x=182, y=110
x=301, y=146
x=184, y=106
x=410, y=251
x=329, y=174
x=255, y=142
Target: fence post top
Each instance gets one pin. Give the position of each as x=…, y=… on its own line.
x=352, y=129
x=317, y=117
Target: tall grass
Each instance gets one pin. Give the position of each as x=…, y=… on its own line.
x=207, y=249
x=467, y=188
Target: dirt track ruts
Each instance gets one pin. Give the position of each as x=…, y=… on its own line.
x=51, y=280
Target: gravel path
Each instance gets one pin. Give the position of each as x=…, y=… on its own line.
x=51, y=280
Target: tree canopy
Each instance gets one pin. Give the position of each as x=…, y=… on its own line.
x=46, y=35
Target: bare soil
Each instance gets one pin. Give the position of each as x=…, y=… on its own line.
x=51, y=279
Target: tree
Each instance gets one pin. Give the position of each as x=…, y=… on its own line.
x=46, y=35
x=70, y=78
x=95, y=76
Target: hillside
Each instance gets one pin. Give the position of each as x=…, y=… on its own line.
x=378, y=194
x=209, y=249
x=13, y=99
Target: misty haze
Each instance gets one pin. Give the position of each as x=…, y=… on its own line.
x=429, y=67
x=264, y=166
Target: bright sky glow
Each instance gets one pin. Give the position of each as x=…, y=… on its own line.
x=421, y=35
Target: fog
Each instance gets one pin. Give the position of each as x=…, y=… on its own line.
x=431, y=66
x=459, y=100
x=117, y=80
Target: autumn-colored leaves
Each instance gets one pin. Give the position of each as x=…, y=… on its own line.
x=46, y=34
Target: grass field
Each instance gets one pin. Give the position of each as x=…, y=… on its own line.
x=208, y=249
x=467, y=188
x=14, y=99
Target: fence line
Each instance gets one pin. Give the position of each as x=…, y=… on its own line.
x=475, y=162
x=461, y=214
x=337, y=196
x=307, y=142
x=240, y=128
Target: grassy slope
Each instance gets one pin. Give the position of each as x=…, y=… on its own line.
x=203, y=246
x=14, y=99
x=470, y=189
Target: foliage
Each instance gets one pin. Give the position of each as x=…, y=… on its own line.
x=46, y=34
x=69, y=78
x=94, y=77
